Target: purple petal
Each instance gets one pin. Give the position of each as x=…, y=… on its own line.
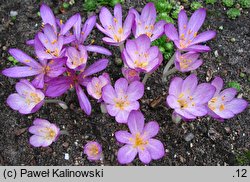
x=110, y=41
x=203, y=37
x=24, y=58
x=122, y=116
x=98, y=66
x=134, y=105
x=148, y=13
x=136, y=122
x=143, y=42
x=105, y=17
x=15, y=101
x=225, y=114
x=36, y=141
x=112, y=110
x=88, y=27
x=189, y=84
x=151, y=129
x=199, y=110
x=145, y=156
x=175, y=86
x=171, y=32
x=30, y=42
x=198, y=48
x=155, y=148
x=38, y=81
x=69, y=39
x=123, y=137
x=185, y=114
x=196, y=20
x=172, y=102
x=118, y=14
x=41, y=122
x=70, y=23
x=83, y=100
x=135, y=90
x=108, y=94
x=98, y=49
x=56, y=68
x=236, y=105
x=228, y=94
x=203, y=93
x=20, y=71
x=126, y=154
x=158, y=30
x=128, y=24
x=58, y=86
x=121, y=86
x=182, y=22
x=218, y=84
x=48, y=16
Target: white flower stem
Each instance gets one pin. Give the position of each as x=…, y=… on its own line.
x=59, y=102
x=64, y=132
x=147, y=75
x=166, y=69
x=121, y=46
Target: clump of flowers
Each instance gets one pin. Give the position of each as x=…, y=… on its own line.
x=44, y=133
x=93, y=150
x=139, y=140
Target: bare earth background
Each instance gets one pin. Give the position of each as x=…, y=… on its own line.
x=214, y=143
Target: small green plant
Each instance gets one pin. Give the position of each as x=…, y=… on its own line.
x=114, y=2
x=175, y=13
x=163, y=6
x=211, y=1
x=233, y=13
x=66, y=5
x=228, y=3
x=244, y=3
x=234, y=85
x=243, y=159
x=165, y=16
x=13, y=60
x=89, y=5
x=195, y=5
x=166, y=48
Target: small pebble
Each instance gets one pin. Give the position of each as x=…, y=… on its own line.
x=13, y=13
x=189, y=137
x=66, y=156
x=221, y=27
x=65, y=144
x=216, y=54
x=233, y=39
x=148, y=88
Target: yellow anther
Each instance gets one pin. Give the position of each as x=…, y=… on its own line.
x=115, y=20
x=152, y=27
x=182, y=36
x=185, y=26
x=27, y=61
x=195, y=34
x=149, y=34
x=183, y=103
x=120, y=30
x=181, y=95
x=61, y=22
x=222, y=107
x=54, y=41
x=117, y=38
x=146, y=27
x=48, y=51
x=213, y=100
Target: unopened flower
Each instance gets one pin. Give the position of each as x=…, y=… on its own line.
x=145, y=23
x=139, y=140
x=224, y=105
x=113, y=27
x=76, y=58
x=188, y=38
x=130, y=74
x=27, y=100
x=44, y=133
x=187, y=62
x=140, y=56
x=93, y=150
x=187, y=98
x=122, y=99
x=58, y=86
x=40, y=69
x=94, y=87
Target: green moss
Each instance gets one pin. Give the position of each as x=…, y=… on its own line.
x=89, y=5
x=243, y=159
x=165, y=16
x=163, y=6
x=233, y=13
x=66, y=5
x=244, y=3
x=234, y=85
x=114, y=2
x=195, y=5
x=13, y=60
x=228, y=3
x=211, y=1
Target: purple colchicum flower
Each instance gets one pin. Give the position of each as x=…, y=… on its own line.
x=122, y=99
x=223, y=105
x=140, y=56
x=27, y=100
x=93, y=150
x=58, y=86
x=94, y=87
x=76, y=58
x=189, y=99
x=46, y=68
x=187, y=62
x=188, y=38
x=130, y=74
x=113, y=27
x=44, y=133
x=145, y=23
x=140, y=140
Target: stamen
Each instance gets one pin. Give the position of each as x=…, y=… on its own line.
x=222, y=107
x=120, y=30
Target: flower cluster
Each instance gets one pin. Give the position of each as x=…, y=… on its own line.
x=63, y=64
